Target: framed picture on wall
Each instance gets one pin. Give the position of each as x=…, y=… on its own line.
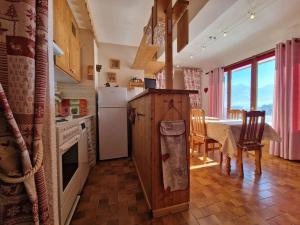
x=90, y=72
x=114, y=64
x=111, y=77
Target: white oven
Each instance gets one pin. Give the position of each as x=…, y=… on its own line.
x=83, y=153
x=69, y=177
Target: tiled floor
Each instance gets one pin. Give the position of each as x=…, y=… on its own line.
x=113, y=196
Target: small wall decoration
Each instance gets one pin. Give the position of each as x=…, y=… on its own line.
x=98, y=67
x=111, y=77
x=114, y=64
x=90, y=72
x=206, y=89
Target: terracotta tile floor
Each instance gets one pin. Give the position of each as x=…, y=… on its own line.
x=113, y=196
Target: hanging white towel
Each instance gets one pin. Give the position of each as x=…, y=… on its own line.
x=174, y=155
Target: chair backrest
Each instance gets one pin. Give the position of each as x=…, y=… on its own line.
x=198, y=122
x=253, y=126
x=235, y=114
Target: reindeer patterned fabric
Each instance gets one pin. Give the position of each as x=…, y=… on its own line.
x=23, y=78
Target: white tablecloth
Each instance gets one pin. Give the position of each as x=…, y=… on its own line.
x=227, y=132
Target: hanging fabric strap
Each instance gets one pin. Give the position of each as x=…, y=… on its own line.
x=170, y=107
x=16, y=180
x=20, y=141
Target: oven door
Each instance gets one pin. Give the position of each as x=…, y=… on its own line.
x=69, y=178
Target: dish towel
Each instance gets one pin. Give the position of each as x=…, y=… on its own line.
x=174, y=155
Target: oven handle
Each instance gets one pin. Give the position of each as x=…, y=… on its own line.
x=69, y=144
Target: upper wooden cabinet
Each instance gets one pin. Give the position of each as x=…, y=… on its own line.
x=75, y=58
x=66, y=36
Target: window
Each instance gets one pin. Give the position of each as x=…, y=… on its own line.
x=265, y=86
x=241, y=88
x=225, y=91
x=249, y=85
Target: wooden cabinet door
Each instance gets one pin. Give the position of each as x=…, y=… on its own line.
x=75, y=58
x=61, y=36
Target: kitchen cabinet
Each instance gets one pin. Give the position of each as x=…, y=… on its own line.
x=148, y=109
x=75, y=58
x=66, y=36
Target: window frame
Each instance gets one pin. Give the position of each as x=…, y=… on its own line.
x=253, y=62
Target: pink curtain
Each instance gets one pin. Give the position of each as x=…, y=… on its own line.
x=192, y=81
x=23, y=79
x=161, y=80
x=215, y=93
x=286, y=108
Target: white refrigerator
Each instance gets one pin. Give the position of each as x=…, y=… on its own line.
x=112, y=115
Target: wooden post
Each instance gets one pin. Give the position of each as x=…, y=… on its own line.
x=169, y=47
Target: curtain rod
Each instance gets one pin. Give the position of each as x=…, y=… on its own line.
x=250, y=58
x=295, y=39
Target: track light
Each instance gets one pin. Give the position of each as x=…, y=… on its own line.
x=252, y=15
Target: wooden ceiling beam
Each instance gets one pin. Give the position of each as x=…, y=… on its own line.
x=178, y=10
x=153, y=67
x=145, y=53
x=161, y=7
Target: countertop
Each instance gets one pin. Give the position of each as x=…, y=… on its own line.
x=74, y=120
x=163, y=91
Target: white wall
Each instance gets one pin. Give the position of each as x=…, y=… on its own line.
x=178, y=80
x=126, y=55
x=204, y=96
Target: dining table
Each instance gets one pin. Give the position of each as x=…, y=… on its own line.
x=227, y=133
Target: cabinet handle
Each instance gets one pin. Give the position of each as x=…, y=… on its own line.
x=140, y=114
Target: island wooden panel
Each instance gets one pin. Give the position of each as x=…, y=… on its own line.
x=151, y=107
x=141, y=145
x=160, y=198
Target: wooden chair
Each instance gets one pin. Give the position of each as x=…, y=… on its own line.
x=250, y=138
x=235, y=114
x=199, y=135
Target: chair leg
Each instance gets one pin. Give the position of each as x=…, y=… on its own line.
x=205, y=151
x=221, y=158
x=258, y=161
x=192, y=147
x=240, y=162
x=228, y=166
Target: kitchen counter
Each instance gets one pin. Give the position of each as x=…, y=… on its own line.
x=162, y=91
x=148, y=109
x=78, y=119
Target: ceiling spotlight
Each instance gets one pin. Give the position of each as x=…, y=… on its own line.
x=224, y=34
x=203, y=47
x=177, y=66
x=191, y=57
x=252, y=15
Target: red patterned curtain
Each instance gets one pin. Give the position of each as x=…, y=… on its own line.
x=215, y=93
x=23, y=79
x=192, y=81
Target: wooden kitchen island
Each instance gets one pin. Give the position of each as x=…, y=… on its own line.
x=147, y=111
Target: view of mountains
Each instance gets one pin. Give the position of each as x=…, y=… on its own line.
x=241, y=97
x=240, y=92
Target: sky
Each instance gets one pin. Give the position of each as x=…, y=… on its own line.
x=243, y=76
x=241, y=82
